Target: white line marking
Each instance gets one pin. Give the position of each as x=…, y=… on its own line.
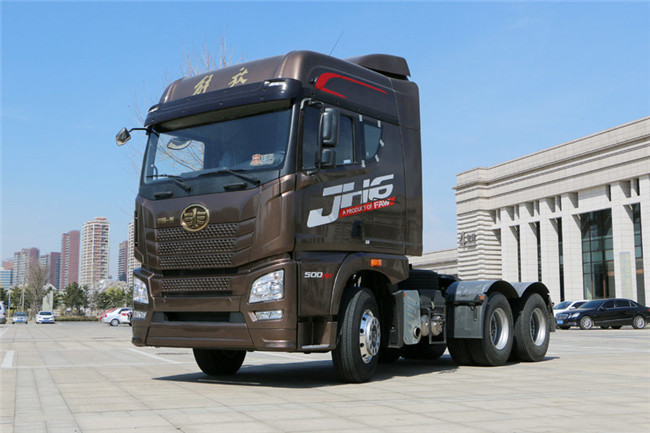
x=153, y=356
x=9, y=359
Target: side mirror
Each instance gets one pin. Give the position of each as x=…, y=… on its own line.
x=122, y=137
x=328, y=158
x=328, y=130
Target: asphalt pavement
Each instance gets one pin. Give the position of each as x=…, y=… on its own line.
x=87, y=377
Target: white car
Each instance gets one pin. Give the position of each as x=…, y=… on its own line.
x=3, y=313
x=116, y=316
x=45, y=317
x=565, y=306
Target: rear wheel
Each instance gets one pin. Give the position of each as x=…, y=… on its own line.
x=357, y=351
x=216, y=362
x=496, y=345
x=586, y=323
x=638, y=322
x=532, y=330
x=115, y=322
x=459, y=351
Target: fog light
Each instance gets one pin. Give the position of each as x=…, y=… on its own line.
x=139, y=315
x=269, y=315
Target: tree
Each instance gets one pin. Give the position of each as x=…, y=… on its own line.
x=37, y=279
x=75, y=298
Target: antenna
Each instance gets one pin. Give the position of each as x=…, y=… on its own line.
x=335, y=43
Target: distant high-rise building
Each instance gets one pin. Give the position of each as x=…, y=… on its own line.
x=131, y=262
x=22, y=261
x=52, y=263
x=69, y=265
x=7, y=265
x=5, y=278
x=122, y=261
x=94, y=251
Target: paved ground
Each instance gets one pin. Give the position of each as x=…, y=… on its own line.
x=87, y=377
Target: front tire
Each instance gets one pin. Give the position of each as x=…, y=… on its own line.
x=357, y=351
x=586, y=323
x=532, y=331
x=115, y=322
x=496, y=345
x=214, y=362
x=638, y=322
x=460, y=351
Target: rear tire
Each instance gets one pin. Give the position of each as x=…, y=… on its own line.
x=532, y=331
x=214, y=362
x=638, y=322
x=357, y=351
x=459, y=351
x=498, y=336
x=586, y=323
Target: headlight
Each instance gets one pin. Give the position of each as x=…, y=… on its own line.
x=269, y=287
x=140, y=293
x=574, y=315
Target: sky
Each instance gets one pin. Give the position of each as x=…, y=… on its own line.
x=497, y=80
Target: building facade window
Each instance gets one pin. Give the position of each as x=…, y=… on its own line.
x=638, y=253
x=597, y=255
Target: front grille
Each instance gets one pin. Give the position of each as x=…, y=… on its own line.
x=196, y=262
x=562, y=316
x=195, y=284
x=196, y=246
x=211, y=231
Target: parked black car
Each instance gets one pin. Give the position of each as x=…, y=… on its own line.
x=606, y=313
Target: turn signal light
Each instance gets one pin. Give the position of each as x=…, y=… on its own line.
x=375, y=263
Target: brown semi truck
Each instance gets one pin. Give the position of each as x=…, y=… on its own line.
x=278, y=202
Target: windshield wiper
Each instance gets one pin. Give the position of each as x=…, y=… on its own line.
x=177, y=180
x=255, y=181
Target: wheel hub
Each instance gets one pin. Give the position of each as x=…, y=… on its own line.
x=499, y=330
x=537, y=327
x=369, y=336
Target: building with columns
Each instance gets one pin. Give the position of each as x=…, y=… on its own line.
x=575, y=216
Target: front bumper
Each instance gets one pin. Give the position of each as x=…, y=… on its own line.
x=219, y=319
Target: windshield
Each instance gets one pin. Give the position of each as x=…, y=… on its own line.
x=562, y=305
x=252, y=144
x=592, y=304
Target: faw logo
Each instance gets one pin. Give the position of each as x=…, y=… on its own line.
x=374, y=195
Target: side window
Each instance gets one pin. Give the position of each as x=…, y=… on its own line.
x=371, y=138
x=345, y=147
x=311, y=118
x=608, y=305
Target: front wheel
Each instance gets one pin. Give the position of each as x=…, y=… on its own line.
x=586, y=323
x=638, y=322
x=214, y=362
x=357, y=351
x=115, y=322
x=496, y=345
x=532, y=330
